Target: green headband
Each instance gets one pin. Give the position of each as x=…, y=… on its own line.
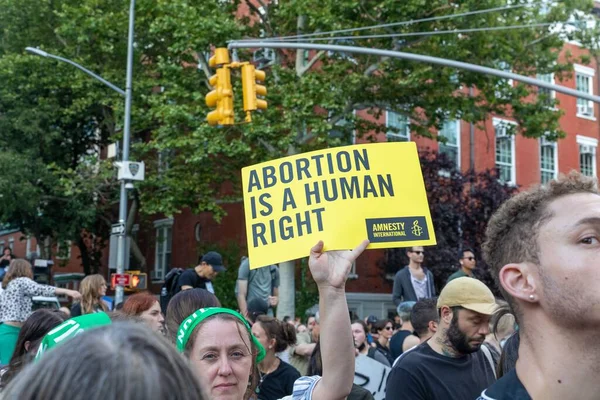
x=187, y=327
x=71, y=328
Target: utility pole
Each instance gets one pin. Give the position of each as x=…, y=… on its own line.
x=125, y=157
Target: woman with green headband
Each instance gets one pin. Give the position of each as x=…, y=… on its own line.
x=224, y=353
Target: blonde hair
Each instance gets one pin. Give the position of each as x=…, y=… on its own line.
x=90, y=293
x=18, y=268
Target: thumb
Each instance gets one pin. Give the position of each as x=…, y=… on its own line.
x=317, y=249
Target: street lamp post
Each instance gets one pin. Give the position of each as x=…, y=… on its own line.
x=126, y=136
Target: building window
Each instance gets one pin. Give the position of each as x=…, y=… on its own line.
x=11, y=243
x=164, y=239
x=587, y=155
x=451, y=131
x=549, y=94
x=505, y=151
x=503, y=84
x=548, y=161
x=584, y=82
x=63, y=250
x=400, y=127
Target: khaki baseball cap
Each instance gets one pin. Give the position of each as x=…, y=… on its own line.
x=469, y=293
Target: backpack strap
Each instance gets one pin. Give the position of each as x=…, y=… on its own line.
x=488, y=355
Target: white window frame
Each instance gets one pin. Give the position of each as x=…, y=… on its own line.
x=396, y=135
x=590, y=142
x=513, y=172
x=552, y=92
x=158, y=274
x=11, y=243
x=543, y=143
x=66, y=243
x=458, y=153
x=503, y=66
x=586, y=110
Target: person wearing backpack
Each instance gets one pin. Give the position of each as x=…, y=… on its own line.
x=261, y=283
x=199, y=277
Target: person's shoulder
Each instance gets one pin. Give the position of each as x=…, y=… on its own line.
x=509, y=387
x=288, y=370
x=413, y=357
x=402, y=270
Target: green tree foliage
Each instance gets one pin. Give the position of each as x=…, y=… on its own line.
x=53, y=118
x=461, y=205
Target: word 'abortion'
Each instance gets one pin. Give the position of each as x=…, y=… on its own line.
x=289, y=225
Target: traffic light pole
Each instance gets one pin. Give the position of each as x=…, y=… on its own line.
x=125, y=157
x=265, y=44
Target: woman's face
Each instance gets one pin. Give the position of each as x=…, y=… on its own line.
x=359, y=334
x=102, y=289
x=6, y=252
x=387, y=331
x=153, y=317
x=222, y=359
x=263, y=338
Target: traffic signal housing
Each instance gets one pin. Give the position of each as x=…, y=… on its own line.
x=139, y=280
x=221, y=98
x=251, y=89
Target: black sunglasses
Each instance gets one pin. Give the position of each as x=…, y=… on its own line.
x=418, y=252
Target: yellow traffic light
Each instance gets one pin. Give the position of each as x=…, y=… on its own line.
x=221, y=98
x=250, y=89
x=221, y=57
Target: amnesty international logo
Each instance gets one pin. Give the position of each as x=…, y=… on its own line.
x=416, y=230
x=396, y=229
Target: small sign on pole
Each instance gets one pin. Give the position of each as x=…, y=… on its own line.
x=120, y=280
x=118, y=229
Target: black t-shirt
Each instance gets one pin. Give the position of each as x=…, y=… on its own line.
x=191, y=278
x=423, y=374
x=279, y=383
x=509, y=387
x=397, y=341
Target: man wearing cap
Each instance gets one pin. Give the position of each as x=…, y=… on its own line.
x=452, y=364
x=209, y=266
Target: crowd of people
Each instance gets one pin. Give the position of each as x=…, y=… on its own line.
x=463, y=343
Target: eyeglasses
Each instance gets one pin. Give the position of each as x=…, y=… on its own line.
x=469, y=258
x=388, y=328
x=418, y=252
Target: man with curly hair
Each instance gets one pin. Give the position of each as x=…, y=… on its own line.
x=543, y=248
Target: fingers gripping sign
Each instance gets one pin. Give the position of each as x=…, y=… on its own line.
x=331, y=268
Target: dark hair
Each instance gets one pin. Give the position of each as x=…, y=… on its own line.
x=34, y=329
x=512, y=231
x=121, y=360
x=184, y=304
x=423, y=312
x=315, y=363
x=138, y=303
x=462, y=252
x=380, y=325
x=287, y=318
x=509, y=355
x=283, y=332
x=242, y=330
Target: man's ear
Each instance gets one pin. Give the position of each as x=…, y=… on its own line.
x=520, y=281
x=446, y=314
x=433, y=326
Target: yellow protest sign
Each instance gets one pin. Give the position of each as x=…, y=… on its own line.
x=341, y=196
